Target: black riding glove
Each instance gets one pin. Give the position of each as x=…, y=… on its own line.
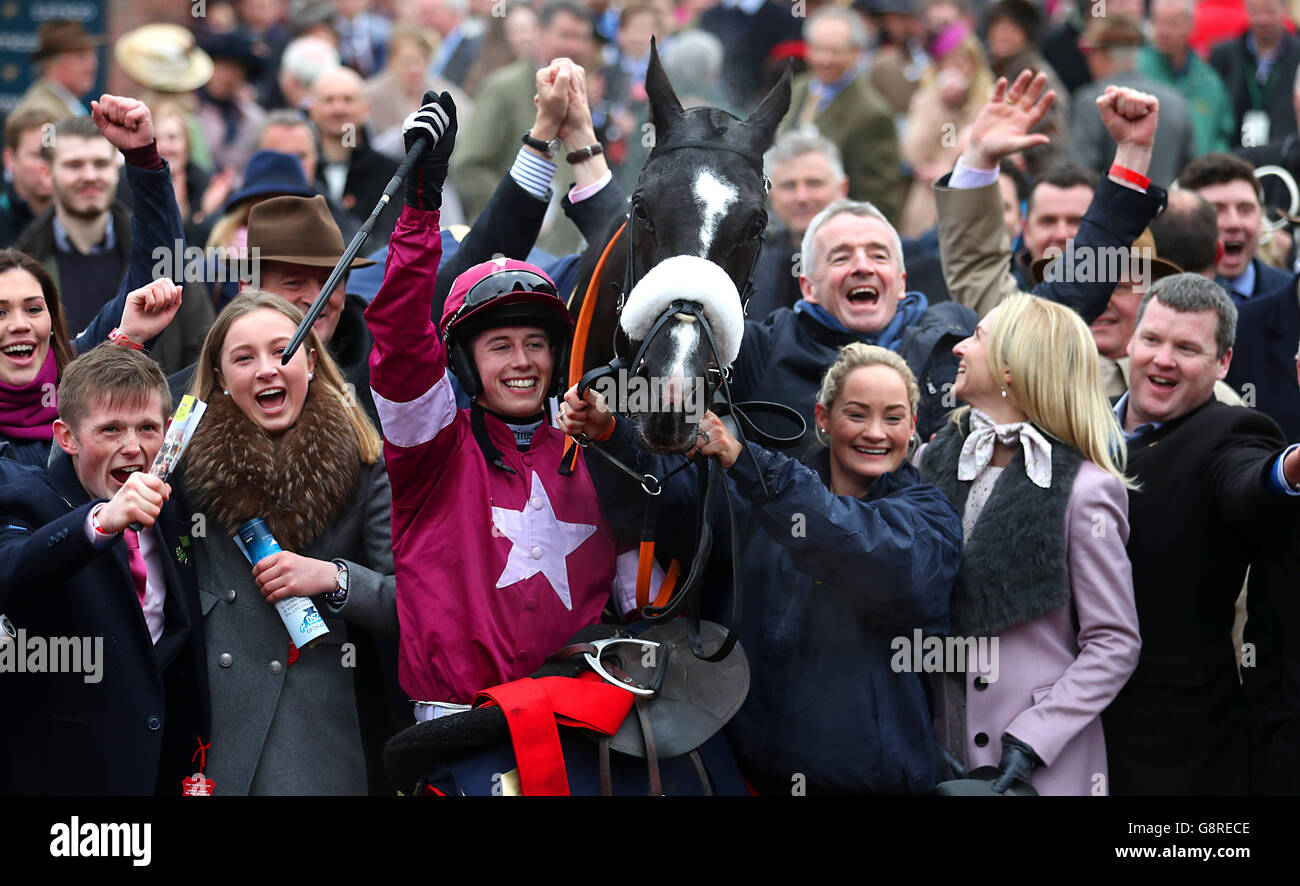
x=435, y=118
x=1018, y=761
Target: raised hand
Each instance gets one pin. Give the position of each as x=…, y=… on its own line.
x=149, y=309
x=436, y=120
x=552, y=98
x=1004, y=123
x=139, y=501
x=125, y=122
x=1130, y=117
x=578, y=131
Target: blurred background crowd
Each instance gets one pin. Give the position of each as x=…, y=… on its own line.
x=892, y=86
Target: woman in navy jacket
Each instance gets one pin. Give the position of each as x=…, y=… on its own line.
x=842, y=556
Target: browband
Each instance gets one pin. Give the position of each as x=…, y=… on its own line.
x=756, y=158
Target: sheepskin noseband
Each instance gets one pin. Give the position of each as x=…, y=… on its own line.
x=687, y=278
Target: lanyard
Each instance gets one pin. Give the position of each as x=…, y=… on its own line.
x=1258, y=95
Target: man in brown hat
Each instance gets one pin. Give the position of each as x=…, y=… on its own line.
x=1111, y=47
x=65, y=55
x=293, y=245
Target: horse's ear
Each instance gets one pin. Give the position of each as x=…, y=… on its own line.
x=665, y=107
x=772, y=109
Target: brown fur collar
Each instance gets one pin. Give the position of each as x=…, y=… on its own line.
x=297, y=484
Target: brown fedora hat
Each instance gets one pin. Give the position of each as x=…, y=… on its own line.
x=61, y=35
x=298, y=230
x=1144, y=247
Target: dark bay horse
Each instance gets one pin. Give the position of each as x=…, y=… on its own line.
x=690, y=239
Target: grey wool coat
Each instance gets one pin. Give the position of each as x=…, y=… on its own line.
x=281, y=728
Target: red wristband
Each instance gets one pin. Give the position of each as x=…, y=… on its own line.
x=1130, y=176
x=118, y=337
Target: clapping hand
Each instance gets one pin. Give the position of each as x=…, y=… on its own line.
x=552, y=98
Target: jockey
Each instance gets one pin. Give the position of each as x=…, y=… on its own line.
x=499, y=558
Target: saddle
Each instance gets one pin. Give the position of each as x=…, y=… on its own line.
x=623, y=696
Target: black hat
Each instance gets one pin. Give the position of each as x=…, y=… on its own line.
x=236, y=46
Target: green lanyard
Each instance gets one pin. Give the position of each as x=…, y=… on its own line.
x=1252, y=82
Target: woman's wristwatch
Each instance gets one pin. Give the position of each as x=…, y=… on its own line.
x=339, y=595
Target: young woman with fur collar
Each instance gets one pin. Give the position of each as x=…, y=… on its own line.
x=1035, y=465
x=285, y=444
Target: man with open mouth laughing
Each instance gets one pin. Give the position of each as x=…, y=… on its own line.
x=1230, y=186
x=86, y=550
x=1213, y=480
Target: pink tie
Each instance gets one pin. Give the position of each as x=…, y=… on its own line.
x=139, y=574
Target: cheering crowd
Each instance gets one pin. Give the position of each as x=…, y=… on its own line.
x=1020, y=278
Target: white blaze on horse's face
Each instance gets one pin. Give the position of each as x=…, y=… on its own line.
x=714, y=196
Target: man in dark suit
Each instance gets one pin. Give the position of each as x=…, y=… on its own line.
x=128, y=716
x=1213, y=480
x=1229, y=184
x=1272, y=681
x=1268, y=328
x=1259, y=68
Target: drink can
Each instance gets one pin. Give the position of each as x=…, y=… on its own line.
x=300, y=616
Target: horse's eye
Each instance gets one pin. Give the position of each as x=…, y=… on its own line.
x=757, y=225
x=642, y=217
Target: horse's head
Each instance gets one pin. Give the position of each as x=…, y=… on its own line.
x=702, y=192
x=696, y=224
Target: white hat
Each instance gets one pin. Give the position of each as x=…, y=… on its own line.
x=163, y=57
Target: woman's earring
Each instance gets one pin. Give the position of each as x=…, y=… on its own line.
x=1004, y=390
x=312, y=375
x=224, y=391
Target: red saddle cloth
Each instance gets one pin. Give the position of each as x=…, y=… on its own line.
x=534, y=708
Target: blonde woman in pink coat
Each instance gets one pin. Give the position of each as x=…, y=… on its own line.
x=1035, y=465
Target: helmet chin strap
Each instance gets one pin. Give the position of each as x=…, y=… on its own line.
x=490, y=452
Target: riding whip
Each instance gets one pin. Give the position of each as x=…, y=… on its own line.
x=314, y=312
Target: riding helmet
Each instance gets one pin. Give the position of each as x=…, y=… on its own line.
x=496, y=293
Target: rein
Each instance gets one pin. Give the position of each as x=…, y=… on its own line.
x=673, y=598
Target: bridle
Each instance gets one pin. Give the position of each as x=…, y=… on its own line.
x=685, y=598
x=629, y=273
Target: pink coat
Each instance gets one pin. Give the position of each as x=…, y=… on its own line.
x=494, y=571
x=1054, y=678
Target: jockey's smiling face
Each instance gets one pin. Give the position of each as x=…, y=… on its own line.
x=514, y=365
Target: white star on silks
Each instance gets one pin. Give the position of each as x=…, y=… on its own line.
x=554, y=538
